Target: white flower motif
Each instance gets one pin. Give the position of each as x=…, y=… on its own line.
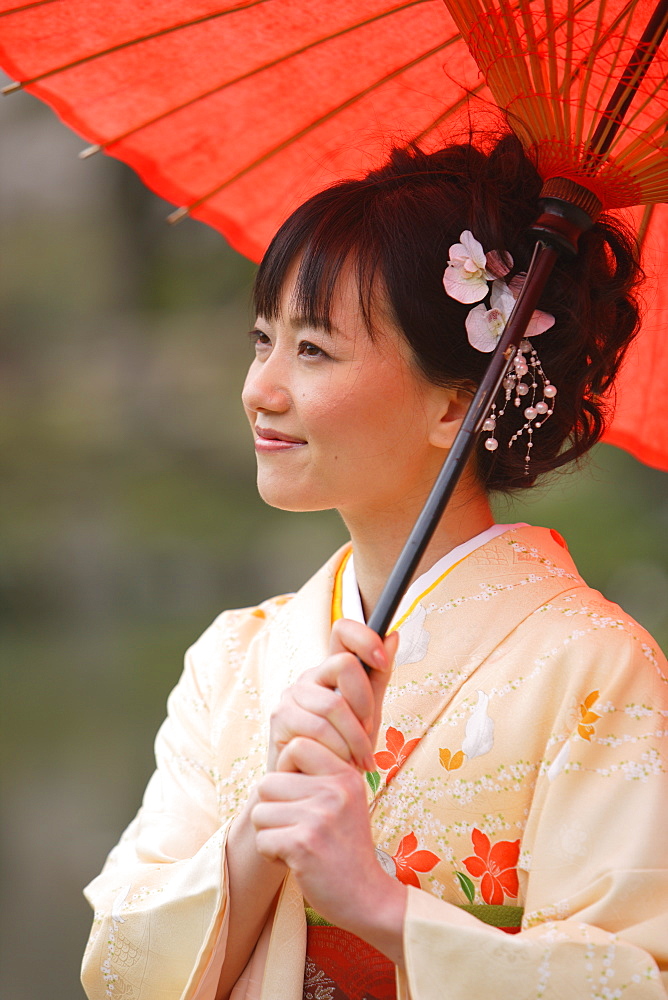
x=413, y=638
x=118, y=903
x=573, y=840
x=479, y=738
x=466, y=275
x=559, y=762
x=485, y=326
x=386, y=862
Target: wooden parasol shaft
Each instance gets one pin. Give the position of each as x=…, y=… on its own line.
x=541, y=266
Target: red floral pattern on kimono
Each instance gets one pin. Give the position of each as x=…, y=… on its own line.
x=497, y=866
x=390, y=760
x=409, y=860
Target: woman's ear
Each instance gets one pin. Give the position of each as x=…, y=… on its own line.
x=448, y=417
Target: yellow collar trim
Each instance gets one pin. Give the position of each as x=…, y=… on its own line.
x=429, y=589
x=337, y=594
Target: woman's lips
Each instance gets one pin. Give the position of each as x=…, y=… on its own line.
x=268, y=440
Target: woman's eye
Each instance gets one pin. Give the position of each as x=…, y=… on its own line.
x=258, y=338
x=309, y=350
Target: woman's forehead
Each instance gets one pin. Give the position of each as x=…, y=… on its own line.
x=316, y=280
x=345, y=295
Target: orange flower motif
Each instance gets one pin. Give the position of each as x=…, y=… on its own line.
x=587, y=717
x=497, y=866
x=451, y=761
x=408, y=860
x=390, y=760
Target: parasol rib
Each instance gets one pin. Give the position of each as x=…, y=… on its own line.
x=281, y=60
x=180, y=213
x=181, y=26
x=631, y=79
x=453, y=109
x=644, y=224
x=546, y=36
x=27, y=6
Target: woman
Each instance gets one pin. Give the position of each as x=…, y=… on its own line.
x=513, y=751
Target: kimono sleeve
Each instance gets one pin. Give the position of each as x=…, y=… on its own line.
x=160, y=901
x=594, y=858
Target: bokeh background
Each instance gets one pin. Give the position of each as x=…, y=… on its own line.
x=130, y=517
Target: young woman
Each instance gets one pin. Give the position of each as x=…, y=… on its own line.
x=483, y=815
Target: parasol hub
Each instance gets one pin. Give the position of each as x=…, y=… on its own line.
x=568, y=209
x=613, y=185
x=575, y=193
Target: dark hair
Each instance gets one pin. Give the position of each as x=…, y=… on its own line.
x=395, y=227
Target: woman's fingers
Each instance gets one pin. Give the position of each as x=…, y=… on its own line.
x=337, y=703
x=301, y=801
x=343, y=672
x=326, y=715
x=307, y=757
x=316, y=707
x=376, y=653
x=379, y=681
x=354, y=637
x=317, y=823
x=309, y=723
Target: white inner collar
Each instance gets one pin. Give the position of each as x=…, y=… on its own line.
x=351, y=603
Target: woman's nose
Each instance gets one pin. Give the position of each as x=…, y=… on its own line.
x=264, y=390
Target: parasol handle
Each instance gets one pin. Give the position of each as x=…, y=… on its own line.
x=542, y=262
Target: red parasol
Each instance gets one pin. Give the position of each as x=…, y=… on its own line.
x=239, y=111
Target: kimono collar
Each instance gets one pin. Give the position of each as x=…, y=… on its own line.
x=347, y=602
x=469, y=610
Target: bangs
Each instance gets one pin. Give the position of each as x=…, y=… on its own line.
x=326, y=234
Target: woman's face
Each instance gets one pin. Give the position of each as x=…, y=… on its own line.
x=340, y=420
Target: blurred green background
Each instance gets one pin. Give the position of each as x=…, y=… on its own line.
x=130, y=517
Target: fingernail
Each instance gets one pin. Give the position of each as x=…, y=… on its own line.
x=369, y=763
x=380, y=658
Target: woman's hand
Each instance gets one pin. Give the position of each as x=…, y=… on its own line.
x=312, y=815
x=337, y=704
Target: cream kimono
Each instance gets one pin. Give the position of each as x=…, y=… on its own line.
x=524, y=739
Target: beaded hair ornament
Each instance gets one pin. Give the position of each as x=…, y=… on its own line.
x=467, y=277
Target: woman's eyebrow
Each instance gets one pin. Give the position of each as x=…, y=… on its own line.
x=298, y=321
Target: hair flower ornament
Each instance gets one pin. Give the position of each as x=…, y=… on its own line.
x=470, y=269
x=485, y=326
x=467, y=278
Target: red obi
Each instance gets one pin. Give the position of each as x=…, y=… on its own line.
x=341, y=966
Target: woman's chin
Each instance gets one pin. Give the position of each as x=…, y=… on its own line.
x=289, y=498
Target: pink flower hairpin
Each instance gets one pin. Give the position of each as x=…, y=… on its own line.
x=467, y=278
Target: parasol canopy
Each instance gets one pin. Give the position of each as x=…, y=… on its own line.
x=237, y=112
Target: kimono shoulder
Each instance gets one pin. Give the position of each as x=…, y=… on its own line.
x=219, y=653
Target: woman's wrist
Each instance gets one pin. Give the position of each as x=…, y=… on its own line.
x=379, y=917
x=241, y=841
x=253, y=884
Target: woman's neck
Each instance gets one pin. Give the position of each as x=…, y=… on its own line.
x=378, y=540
